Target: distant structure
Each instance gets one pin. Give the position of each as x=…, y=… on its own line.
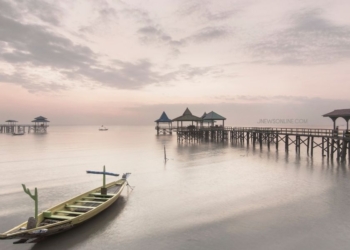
x=343, y=113
x=164, y=119
x=187, y=117
x=11, y=127
x=211, y=117
x=193, y=122
x=40, y=125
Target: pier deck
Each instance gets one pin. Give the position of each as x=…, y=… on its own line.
x=9, y=129
x=333, y=143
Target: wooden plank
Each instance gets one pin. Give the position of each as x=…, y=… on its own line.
x=76, y=206
x=98, y=202
x=106, y=195
x=60, y=217
x=96, y=198
x=69, y=212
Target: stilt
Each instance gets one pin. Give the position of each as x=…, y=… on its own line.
x=260, y=140
x=343, y=151
x=332, y=148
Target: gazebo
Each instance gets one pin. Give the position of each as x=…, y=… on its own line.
x=343, y=113
x=211, y=117
x=163, y=119
x=187, y=117
x=11, y=122
x=40, y=124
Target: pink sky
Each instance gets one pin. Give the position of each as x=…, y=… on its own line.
x=118, y=63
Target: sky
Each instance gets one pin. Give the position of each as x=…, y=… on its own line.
x=93, y=62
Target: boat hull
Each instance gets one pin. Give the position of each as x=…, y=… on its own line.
x=66, y=224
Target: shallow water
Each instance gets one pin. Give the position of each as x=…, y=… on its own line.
x=206, y=196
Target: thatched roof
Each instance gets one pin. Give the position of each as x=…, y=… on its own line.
x=163, y=118
x=212, y=116
x=187, y=116
x=11, y=121
x=338, y=113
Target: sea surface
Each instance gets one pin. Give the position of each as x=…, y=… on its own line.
x=217, y=195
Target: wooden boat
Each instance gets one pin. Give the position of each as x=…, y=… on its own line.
x=67, y=214
x=18, y=133
x=103, y=128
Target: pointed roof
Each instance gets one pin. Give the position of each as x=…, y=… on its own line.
x=163, y=118
x=213, y=116
x=40, y=119
x=205, y=113
x=11, y=121
x=338, y=113
x=187, y=116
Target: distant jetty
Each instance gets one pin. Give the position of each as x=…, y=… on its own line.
x=334, y=143
x=39, y=125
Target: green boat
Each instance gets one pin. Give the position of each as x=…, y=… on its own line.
x=67, y=214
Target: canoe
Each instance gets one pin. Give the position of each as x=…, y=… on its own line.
x=68, y=214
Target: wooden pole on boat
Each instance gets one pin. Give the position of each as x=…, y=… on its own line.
x=35, y=198
x=103, y=189
x=104, y=176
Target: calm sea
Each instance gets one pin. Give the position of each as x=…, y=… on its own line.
x=206, y=196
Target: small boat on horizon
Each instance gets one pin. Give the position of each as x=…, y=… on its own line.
x=18, y=133
x=102, y=128
x=67, y=214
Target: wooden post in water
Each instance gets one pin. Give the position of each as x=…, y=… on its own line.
x=260, y=140
x=327, y=147
x=332, y=148
x=338, y=149
x=296, y=144
x=277, y=139
x=165, y=154
x=312, y=145
x=343, y=151
x=323, y=146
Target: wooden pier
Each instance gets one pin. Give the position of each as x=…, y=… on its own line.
x=18, y=128
x=40, y=125
x=333, y=143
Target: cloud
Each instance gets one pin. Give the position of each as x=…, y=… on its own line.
x=202, y=9
x=310, y=39
x=152, y=34
x=40, y=9
x=105, y=14
x=34, y=46
x=31, y=47
x=208, y=34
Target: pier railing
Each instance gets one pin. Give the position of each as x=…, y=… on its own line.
x=273, y=130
